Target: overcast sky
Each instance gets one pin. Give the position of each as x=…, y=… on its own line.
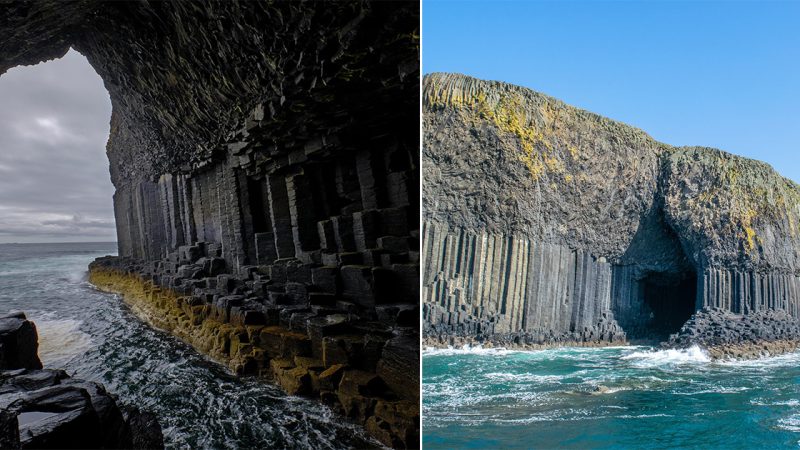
x=712, y=73
x=54, y=179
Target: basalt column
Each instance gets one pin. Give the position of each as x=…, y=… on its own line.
x=544, y=224
x=265, y=160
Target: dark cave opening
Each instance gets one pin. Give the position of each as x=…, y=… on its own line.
x=257, y=201
x=670, y=298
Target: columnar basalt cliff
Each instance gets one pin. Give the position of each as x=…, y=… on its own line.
x=265, y=159
x=546, y=224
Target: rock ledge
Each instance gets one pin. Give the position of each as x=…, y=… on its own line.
x=46, y=408
x=725, y=335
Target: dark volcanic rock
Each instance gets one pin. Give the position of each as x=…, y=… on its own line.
x=238, y=119
x=19, y=343
x=545, y=223
x=724, y=334
x=9, y=430
x=253, y=143
x=43, y=408
x=144, y=428
x=361, y=359
x=399, y=365
x=62, y=412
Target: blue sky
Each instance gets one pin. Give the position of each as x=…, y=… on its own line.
x=718, y=74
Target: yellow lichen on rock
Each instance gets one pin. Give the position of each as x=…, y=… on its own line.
x=166, y=310
x=271, y=351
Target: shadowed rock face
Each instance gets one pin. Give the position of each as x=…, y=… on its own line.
x=247, y=87
x=19, y=343
x=183, y=76
x=266, y=165
x=539, y=218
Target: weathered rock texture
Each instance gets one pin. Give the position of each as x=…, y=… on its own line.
x=19, y=342
x=726, y=335
x=364, y=366
x=277, y=130
x=276, y=138
x=544, y=220
x=45, y=408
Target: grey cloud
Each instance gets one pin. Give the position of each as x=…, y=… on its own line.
x=78, y=223
x=54, y=178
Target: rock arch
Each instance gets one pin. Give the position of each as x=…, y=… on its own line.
x=265, y=157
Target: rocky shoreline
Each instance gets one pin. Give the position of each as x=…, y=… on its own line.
x=46, y=408
x=726, y=335
x=718, y=332
x=443, y=329
x=364, y=366
x=468, y=342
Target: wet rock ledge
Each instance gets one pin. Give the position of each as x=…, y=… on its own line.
x=280, y=322
x=726, y=335
x=45, y=408
x=442, y=329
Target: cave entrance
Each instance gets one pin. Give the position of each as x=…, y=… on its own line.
x=654, y=291
x=670, y=299
x=54, y=173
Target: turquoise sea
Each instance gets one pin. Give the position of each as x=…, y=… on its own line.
x=621, y=397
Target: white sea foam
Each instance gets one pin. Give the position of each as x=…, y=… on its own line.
x=791, y=423
x=763, y=402
x=767, y=362
x=643, y=416
x=561, y=415
x=77, y=276
x=467, y=350
x=655, y=358
x=523, y=377
x=713, y=390
x=60, y=340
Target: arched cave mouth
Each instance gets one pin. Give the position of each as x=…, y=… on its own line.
x=55, y=184
x=654, y=291
x=670, y=298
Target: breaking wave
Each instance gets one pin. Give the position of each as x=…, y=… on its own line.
x=60, y=340
x=468, y=350
x=652, y=358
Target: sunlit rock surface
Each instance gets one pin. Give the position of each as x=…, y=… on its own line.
x=546, y=224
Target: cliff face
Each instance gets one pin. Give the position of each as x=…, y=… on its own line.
x=543, y=219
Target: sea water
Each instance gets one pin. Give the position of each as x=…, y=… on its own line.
x=621, y=397
x=94, y=336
